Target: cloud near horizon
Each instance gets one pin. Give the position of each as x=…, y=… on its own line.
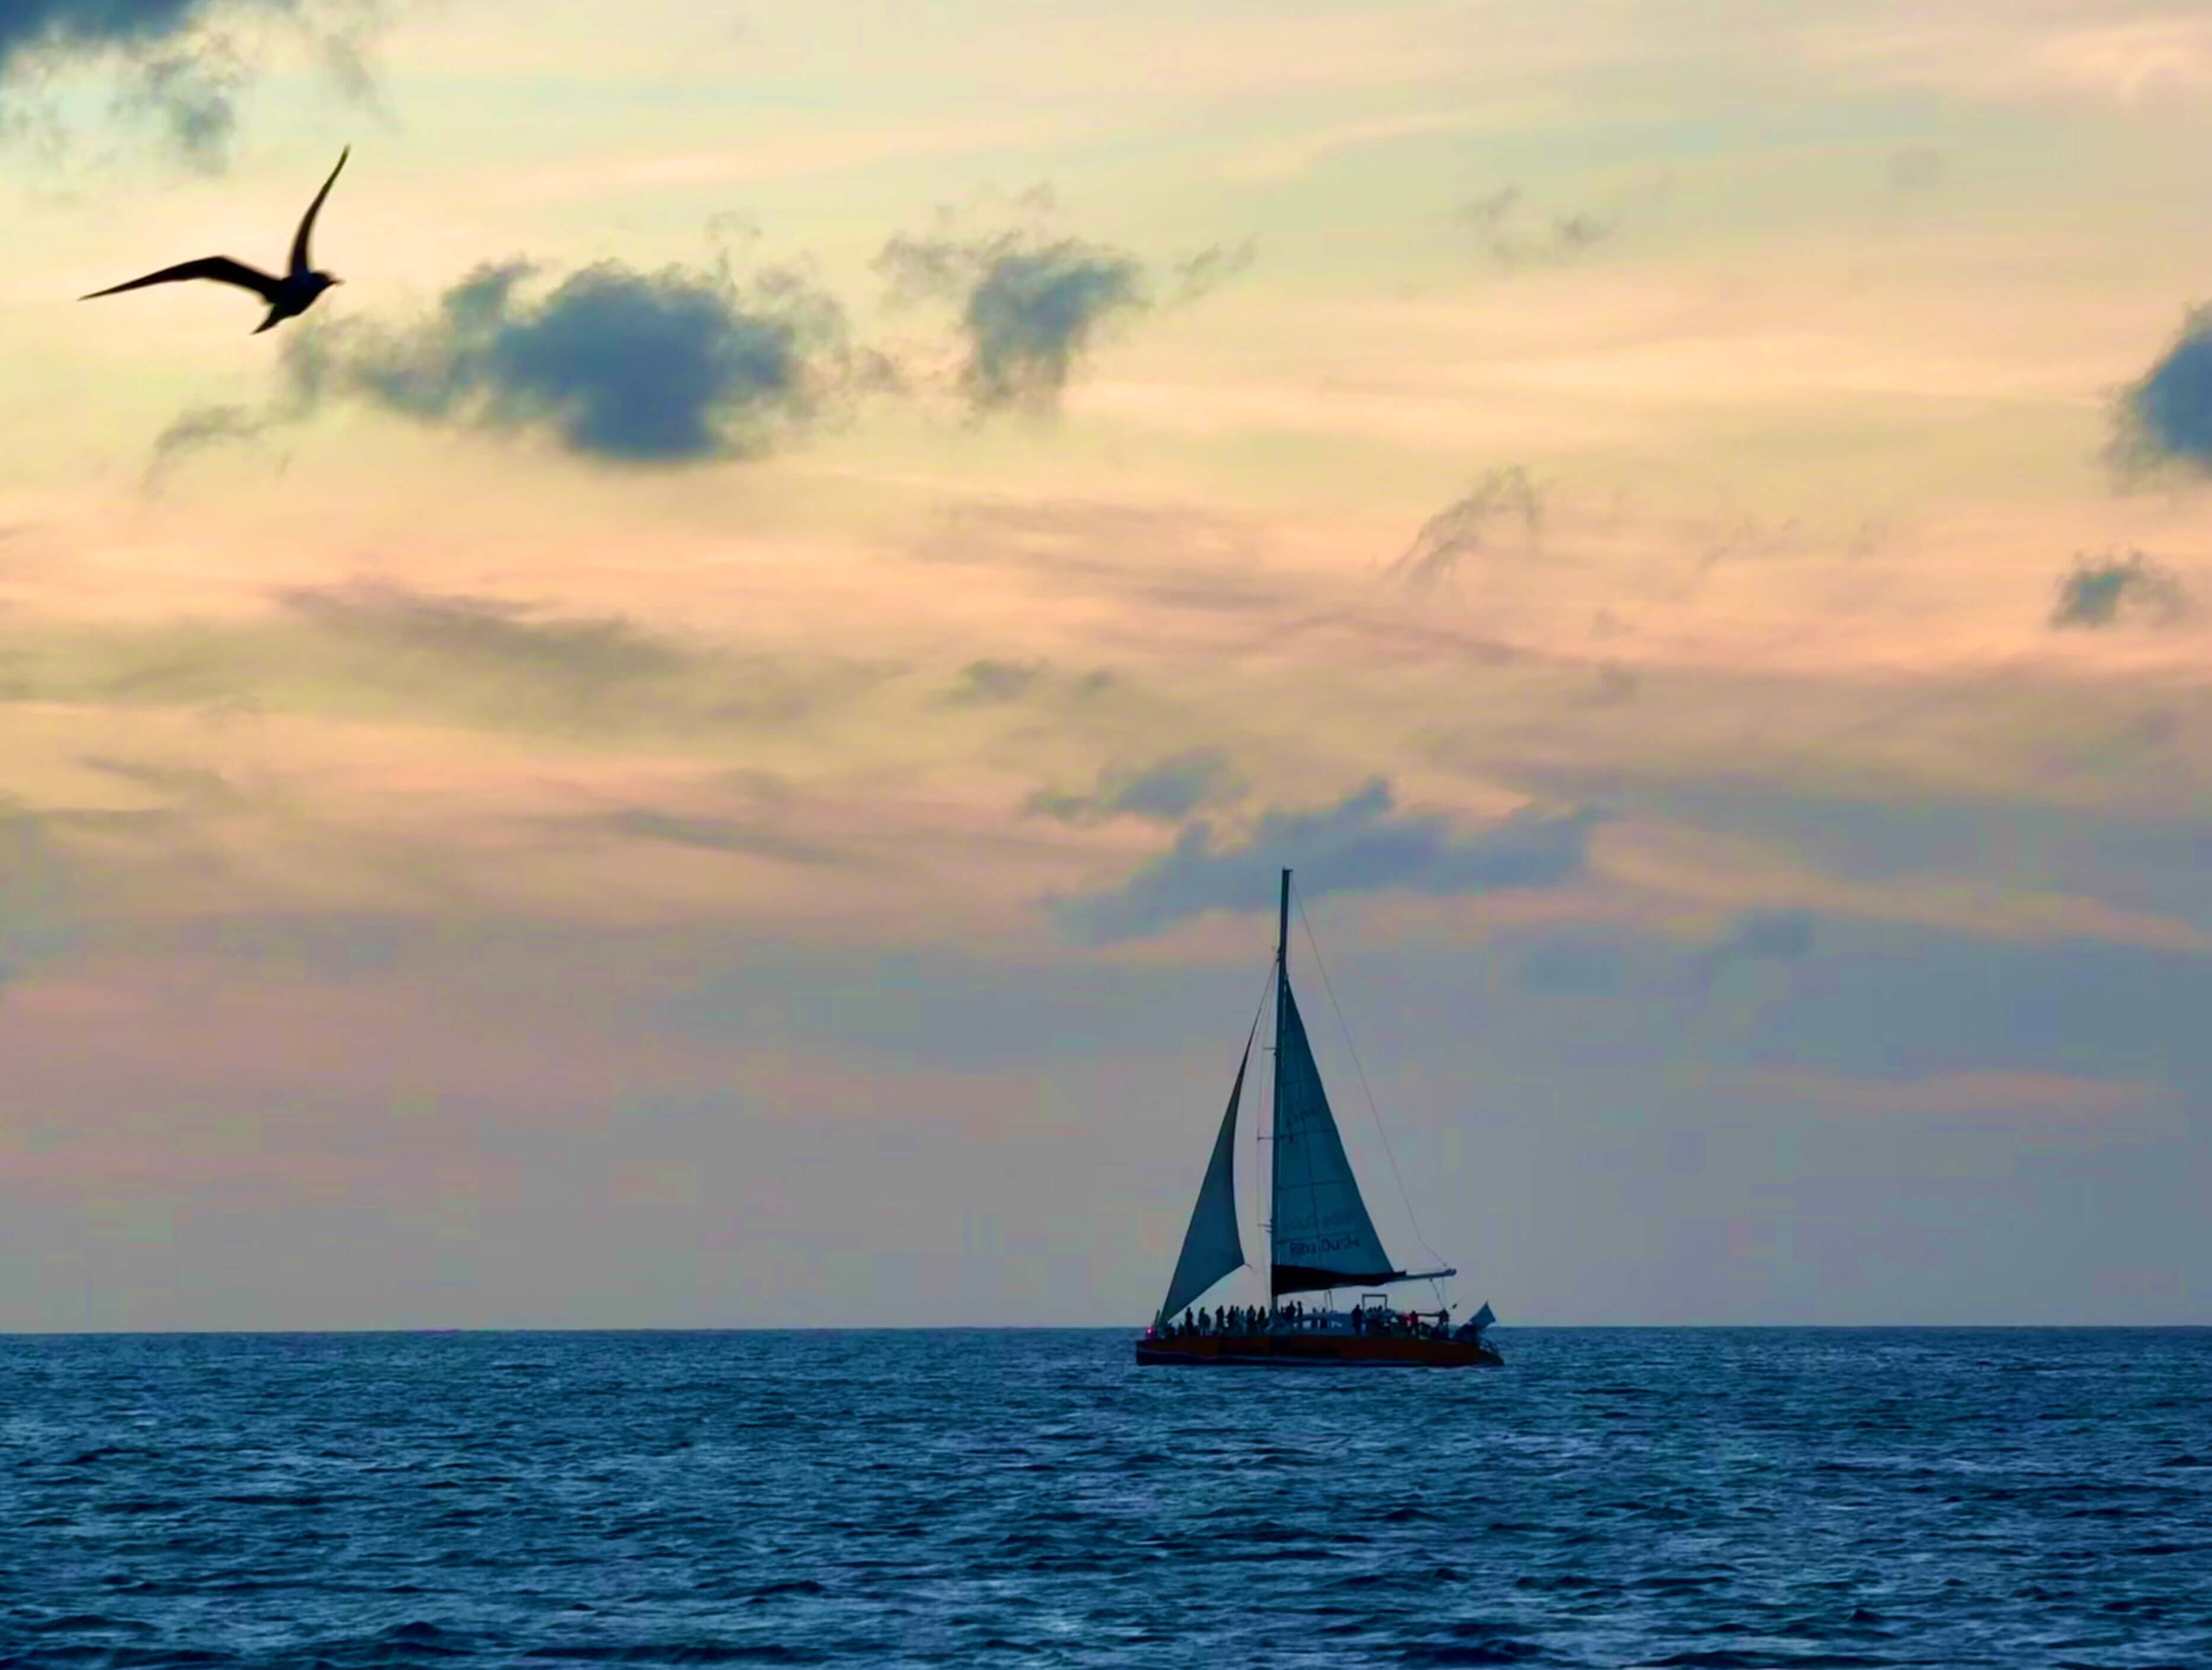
x=1360, y=845
x=617, y=365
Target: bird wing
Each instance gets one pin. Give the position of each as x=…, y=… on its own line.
x=307, y=221
x=220, y=268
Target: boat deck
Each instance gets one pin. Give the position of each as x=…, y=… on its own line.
x=1294, y=1349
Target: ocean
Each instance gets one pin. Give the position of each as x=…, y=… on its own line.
x=1615, y=1498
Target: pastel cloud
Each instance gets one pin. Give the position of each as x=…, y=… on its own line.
x=374, y=648
x=1166, y=791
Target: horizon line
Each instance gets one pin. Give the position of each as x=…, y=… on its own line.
x=1047, y=1327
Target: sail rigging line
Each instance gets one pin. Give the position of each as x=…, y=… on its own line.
x=1357, y=1067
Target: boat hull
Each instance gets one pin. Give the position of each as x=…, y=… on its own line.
x=1285, y=1350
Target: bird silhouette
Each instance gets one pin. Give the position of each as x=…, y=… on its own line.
x=287, y=297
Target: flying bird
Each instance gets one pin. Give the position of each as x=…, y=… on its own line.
x=287, y=297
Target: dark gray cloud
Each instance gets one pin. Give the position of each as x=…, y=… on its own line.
x=637, y=367
x=1030, y=307
x=1360, y=845
x=1459, y=531
x=28, y=27
x=1167, y=791
x=180, y=60
x=2165, y=420
x=2097, y=592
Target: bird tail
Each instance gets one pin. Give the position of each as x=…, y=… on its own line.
x=274, y=319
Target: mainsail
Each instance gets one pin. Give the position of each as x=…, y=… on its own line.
x=1323, y=1237
x=1211, y=1248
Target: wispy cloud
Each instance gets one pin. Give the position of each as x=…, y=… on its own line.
x=739, y=837
x=1360, y=845
x=1201, y=274
x=2126, y=53
x=371, y=647
x=1461, y=529
x=993, y=683
x=192, y=786
x=199, y=428
x=1167, y=791
x=1030, y=307
x=585, y=656
x=1286, y=158
x=1514, y=234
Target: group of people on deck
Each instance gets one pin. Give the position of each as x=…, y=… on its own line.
x=1239, y=1319
x=1295, y=1317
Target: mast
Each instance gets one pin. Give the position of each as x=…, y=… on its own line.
x=1275, y=1101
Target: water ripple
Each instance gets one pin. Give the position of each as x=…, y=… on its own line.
x=1649, y=1498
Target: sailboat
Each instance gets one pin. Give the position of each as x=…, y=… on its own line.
x=1321, y=1240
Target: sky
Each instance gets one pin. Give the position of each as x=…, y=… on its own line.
x=706, y=741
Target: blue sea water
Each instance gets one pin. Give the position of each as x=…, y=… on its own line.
x=1651, y=1498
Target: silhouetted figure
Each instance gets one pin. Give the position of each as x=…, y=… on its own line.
x=287, y=297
